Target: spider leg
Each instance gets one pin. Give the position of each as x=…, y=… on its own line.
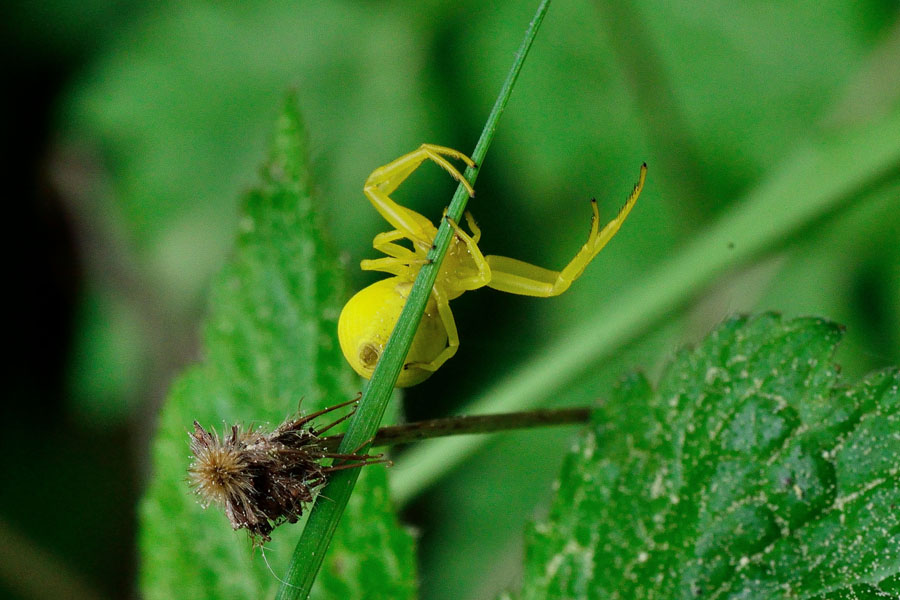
x=458, y=284
x=518, y=277
x=473, y=226
x=384, y=180
x=394, y=265
x=443, y=307
x=399, y=259
x=384, y=242
x=387, y=239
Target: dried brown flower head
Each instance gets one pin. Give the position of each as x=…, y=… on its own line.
x=264, y=479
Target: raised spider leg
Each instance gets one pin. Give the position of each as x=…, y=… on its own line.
x=518, y=277
x=449, y=323
x=384, y=180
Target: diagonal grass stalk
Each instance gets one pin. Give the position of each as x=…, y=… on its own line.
x=324, y=517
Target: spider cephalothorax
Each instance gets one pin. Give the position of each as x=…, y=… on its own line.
x=264, y=479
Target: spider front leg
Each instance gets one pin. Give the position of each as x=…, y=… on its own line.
x=518, y=277
x=400, y=261
x=384, y=180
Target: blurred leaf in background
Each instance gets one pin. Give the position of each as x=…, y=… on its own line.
x=270, y=340
x=146, y=122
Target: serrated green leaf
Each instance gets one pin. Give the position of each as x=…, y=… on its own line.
x=752, y=472
x=270, y=341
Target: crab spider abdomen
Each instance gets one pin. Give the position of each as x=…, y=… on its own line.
x=369, y=318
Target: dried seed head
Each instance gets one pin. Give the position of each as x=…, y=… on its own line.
x=219, y=471
x=261, y=479
x=264, y=479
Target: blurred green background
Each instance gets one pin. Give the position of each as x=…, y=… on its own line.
x=133, y=128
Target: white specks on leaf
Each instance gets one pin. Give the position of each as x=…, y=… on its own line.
x=659, y=485
x=715, y=374
x=753, y=473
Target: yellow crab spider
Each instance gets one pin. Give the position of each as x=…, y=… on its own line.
x=369, y=317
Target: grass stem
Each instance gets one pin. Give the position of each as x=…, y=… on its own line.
x=325, y=516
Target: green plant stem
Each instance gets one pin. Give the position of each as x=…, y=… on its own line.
x=466, y=425
x=810, y=186
x=324, y=517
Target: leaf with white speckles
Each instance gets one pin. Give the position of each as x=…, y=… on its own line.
x=270, y=340
x=752, y=472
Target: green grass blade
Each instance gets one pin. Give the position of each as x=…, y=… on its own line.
x=815, y=182
x=325, y=516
